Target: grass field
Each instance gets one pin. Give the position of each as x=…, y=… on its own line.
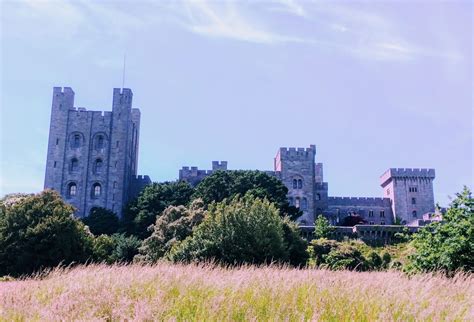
x=189, y=292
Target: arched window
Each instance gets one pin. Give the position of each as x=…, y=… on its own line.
x=98, y=166
x=300, y=184
x=295, y=184
x=100, y=142
x=414, y=214
x=304, y=204
x=77, y=141
x=96, y=190
x=72, y=189
x=318, y=196
x=74, y=166
x=297, y=202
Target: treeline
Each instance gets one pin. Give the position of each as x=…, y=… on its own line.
x=231, y=217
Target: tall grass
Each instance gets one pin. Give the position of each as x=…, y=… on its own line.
x=204, y=292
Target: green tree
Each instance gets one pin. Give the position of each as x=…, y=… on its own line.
x=142, y=212
x=40, y=231
x=322, y=228
x=226, y=184
x=116, y=248
x=239, y=230
x=174, y=225
x=295, y=244
x=101, y=221
x=449, y=245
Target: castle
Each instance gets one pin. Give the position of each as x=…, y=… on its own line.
x=92, y=155
x=92, y=162
x=408, y=193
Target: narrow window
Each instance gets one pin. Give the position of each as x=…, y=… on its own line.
x=371, y=213
x=74, y=165
x=117, y=144
x=116, y=164
x=96, y=190
x=413, y=201
x=57, y=141
x=77, y=141
x=382, y=214
x=295, y=184
x=297, y=202
x=100, y=142
x=300, y=184
x=54, y=166
x=115, y=184
x=414, y=214
x=371, y=223
x=318, y=196
x=382, y=223
x=72, y=189
x=304, y=204
x=113, y=196
x=98, y=166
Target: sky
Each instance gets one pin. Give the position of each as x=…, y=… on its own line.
x=374, y=85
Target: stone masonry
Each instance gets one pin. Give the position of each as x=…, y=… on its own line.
x=92, y=155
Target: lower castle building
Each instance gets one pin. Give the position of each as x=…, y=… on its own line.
x=93, y=156
x=407, y=193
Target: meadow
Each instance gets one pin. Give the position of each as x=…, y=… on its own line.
x=205, y=292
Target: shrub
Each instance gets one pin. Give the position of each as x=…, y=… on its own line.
x=40, y=231
x=117, y=248
x=235, y=231
x=322, y=228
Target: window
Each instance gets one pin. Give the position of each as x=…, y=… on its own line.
x=382, y=214
x=382, y=222
x=414, y=214
x=116, y=164
x=290, y=201
x=98, y=166
x=72, y=189
x=54, y=166
x=96, y=190
x=117, y=144
x=413, y=189
x=57, y=141
x=297, y=202
x=371, y=223
x=74, y=165
x=300, y=184
x=99, y=144
x=318, y=196
x=371, y=213
x=76, y=141
x=304, y=204
x=295, y=184
x=413, y=201
x=115, y=184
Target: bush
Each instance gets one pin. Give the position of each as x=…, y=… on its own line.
x=174, y=225
x=101, y=221
x=322, y=228
x=447, y=246
x=117, y=248
x=240, y=230
x=40, y=231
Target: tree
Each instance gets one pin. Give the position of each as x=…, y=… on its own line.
x=116, y=248
x=40, y=231
x=449, y=245
x=322, y=228
x=226, y=184
x=235, y=231
x=352, y=220
x=102, y=221
x=142, y=212
x=295, y=244
x=174, y=225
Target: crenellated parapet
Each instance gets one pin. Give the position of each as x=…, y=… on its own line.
x=406, y=173
x=359, y=201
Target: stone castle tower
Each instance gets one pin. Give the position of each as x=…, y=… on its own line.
x=410, y=192
x=92, y=155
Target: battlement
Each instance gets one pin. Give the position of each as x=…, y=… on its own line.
x=144, y=178
x=359, y=201
x=296, y=153
x=63, y=90
x=406, y=173
x=216, y=165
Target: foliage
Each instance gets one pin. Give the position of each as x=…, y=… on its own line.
x=101, y=221
x=40, y=231
x=447, y=246
x=353, y=220
x=115, y=248
x=295, y=244
x=235, y=231
x=322, y=228
x=226, y=184
x=142, y=212
x=174, y=225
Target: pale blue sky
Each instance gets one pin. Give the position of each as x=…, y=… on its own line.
x=372, y=85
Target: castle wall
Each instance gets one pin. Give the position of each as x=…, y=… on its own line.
x=375, y=211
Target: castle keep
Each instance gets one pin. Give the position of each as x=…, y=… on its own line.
x=407, y=193
x=92, y=162
x=92, y=155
